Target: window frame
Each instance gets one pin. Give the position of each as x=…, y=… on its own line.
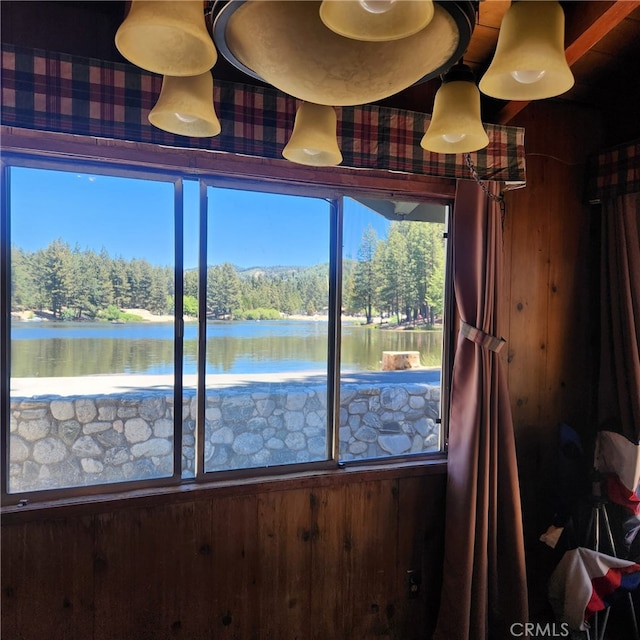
x=77, y=153
x=333, y=336
x=8, y=161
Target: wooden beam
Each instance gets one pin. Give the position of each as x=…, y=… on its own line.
x=592, y=24
x=597, y=30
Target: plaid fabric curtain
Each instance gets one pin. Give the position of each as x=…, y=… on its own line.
x=58, y=92
x=614, y=172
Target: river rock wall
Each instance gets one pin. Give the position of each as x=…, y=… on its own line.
x=70, y=441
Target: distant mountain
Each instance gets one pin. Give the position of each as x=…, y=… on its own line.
x=257, y=270
x=279, y=270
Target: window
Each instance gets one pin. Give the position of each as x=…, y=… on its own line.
x=267, y=338
x=91, y=380
x=309, y=334
x=392, y=329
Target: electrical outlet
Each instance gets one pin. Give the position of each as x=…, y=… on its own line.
x=414, y=582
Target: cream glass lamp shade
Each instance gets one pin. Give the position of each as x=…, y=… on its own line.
x=529, y=62
x=167, y=37
x=185, y=107
x=314, y=140
x=455, y=125
x=286, y=44
x=376, y=20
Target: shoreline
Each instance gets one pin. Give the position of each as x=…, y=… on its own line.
x=109, y=384
x=147, y=316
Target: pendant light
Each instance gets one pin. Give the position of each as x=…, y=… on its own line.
x=376, y=20
x=185, y=106
x=455, y=125
x=529, y=62
x=285, y=44
x=314, y=140
x=169, y=38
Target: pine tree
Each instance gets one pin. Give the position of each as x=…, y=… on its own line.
x=366, y=275
x=56, y=275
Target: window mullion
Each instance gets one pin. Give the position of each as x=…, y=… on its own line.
x=202, y=333
x=178, y=314
x=5, y=301
x=335, y=307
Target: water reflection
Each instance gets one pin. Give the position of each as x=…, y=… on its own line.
x=81, y=349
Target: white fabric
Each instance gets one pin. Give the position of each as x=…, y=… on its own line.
x=551, y=536
x=570, y=586
x=617, y=454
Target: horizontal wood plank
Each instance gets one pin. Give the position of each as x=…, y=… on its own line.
x=306, y=562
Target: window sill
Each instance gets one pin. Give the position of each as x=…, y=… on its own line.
x=190, y=491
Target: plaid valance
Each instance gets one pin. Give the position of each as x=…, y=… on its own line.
x=614, y=172
x=63, y=93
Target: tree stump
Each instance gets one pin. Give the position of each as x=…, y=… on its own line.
x=400, y=360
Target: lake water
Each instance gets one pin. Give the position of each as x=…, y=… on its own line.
x=52, y=349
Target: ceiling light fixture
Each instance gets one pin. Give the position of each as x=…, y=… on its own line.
x=455, y=125
x=169, y=38
x=376, y=20
x=300, y=48
x=529, y=62
x=185, y=106
x=314, y=139
x=285, y=43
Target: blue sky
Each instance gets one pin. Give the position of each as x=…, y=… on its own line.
x=133, y=218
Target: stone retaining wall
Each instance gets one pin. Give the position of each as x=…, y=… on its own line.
x=71, y=441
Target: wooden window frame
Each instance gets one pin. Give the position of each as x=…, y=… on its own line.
x=226, y=170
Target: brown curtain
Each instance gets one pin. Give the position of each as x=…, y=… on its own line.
x=484, y=583
x=619, y=387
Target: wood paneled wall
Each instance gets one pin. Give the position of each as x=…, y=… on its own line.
x=324, y=560
x=330, y=559
x=550, y=308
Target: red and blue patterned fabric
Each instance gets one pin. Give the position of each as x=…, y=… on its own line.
x=585, y=582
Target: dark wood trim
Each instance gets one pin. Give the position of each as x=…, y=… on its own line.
x=196, y=492
x=201, y=162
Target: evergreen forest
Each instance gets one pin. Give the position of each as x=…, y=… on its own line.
x=399, y=277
